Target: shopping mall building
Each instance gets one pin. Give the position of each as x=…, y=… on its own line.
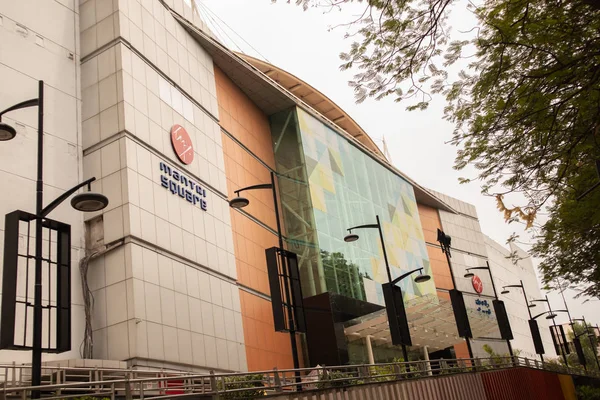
x=170, y=122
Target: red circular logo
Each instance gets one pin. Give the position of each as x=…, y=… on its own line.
x=182, y=144
x=477, y=284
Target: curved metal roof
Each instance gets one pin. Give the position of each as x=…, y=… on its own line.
x=315, y=99
x=271, y=96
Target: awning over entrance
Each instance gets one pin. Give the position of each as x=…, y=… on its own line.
x=431, y=321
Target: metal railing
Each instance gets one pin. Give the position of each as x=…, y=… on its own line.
x=152, y=384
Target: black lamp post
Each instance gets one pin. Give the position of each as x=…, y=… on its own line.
x=552, y=316
x=585, y=325
x=86, y=202
x=352, y=237
x=241, y=202
x=520, y=285
x=506, y=291
x=470, y=274
x=445, y=242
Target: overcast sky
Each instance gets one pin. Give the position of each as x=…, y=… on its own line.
x=302, y=43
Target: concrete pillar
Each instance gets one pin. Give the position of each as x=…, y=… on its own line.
x=369, y=349
x=426, y=357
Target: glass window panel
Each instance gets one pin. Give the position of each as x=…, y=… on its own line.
x=342, y=186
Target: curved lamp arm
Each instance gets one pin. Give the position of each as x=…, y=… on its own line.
x=585, y=325
x=398, y=279
x=547, y=312
x=468, y=269
x=63, y=197
x=23, y=104
x=363, y=226
x=259, y=186
x=504, y=287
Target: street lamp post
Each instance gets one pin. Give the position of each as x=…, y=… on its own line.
x=520, y=285
x=86, y=202
x=551, y=314
x=241, y=202
x=545, y=300
x=469, y=274
x=352, y=237
x=445, y=242
x=506, y=291
x=585, y=325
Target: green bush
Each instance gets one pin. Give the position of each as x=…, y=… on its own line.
x=378, y=370
x=588, y=393
x=328, y=379
x=252, y=383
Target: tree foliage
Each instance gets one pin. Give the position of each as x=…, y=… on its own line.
x=526, y=105
x=569, y=243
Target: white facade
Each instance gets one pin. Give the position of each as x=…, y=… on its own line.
x=507, y=272
x=471, y=248
x=468, y=251
x=170, y=288
x=42, y=45
x=119, y=74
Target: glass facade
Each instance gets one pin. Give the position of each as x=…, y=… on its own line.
x=328, y=184
x=348, y=187
x=294, y=195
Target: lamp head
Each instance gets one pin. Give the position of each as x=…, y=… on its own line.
x=239, y=202
x=531, y=305
x=89, y=202
x=422, y=278
x=7, y=132
x=551, y=316
x=351, y=237
x=469, y=274
x=505, y=291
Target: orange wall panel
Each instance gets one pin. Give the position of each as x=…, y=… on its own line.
x=265, y=348
x=430, y=221
x=250, y=126
x=461, y=350
x=240, y=117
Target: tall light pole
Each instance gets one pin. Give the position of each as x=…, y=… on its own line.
x=585, y=325
x=551, y=314
x=520, y=285
x=545, y=300
x=86, y=202
x=352, y=237
x=241, y=202
x=445, y=242
x=469, y=274
x=562, y=293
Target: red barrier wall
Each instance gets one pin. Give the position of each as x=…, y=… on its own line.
x=522, y=383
